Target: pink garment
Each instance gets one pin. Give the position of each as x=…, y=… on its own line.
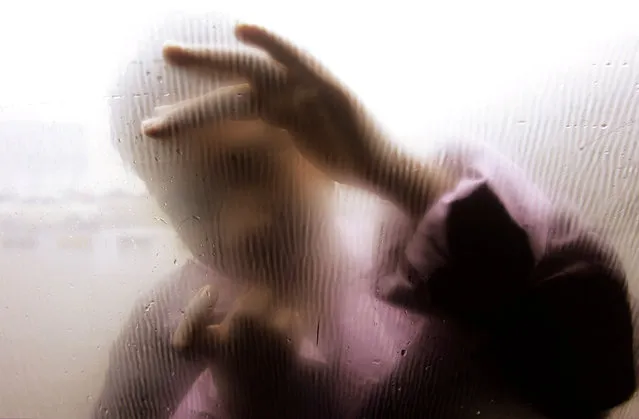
x=504, y=307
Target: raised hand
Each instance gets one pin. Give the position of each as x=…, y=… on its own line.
x=288, y=89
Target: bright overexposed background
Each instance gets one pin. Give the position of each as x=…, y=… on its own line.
x=80, y=237
x=59, y=58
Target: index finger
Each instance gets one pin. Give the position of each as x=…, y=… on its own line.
x=196, y=315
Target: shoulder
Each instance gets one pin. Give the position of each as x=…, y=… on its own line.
x=496, y=248
x=474, y=249
x=495, y=234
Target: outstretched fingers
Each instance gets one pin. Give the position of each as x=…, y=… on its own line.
x=253, y=67
x=224, y=104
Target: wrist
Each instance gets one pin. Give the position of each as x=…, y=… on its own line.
x=411, y=183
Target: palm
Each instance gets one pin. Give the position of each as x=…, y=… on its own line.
x=290, y=90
